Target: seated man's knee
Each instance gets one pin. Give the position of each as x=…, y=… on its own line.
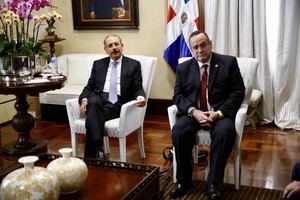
x=183, y=129
x=176, y=131
x=94, y=106
x=95, y=100
x=225, y=128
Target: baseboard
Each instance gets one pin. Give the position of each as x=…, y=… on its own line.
x=158, y=106
x=59, y=113
x=53, y=112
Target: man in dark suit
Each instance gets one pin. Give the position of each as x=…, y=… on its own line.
x=97, y=99
x=102, y=9
x=211, y=104
x=292, y=190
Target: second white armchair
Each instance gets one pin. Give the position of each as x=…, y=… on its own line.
x=131, y=117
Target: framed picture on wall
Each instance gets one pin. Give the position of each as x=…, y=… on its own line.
x=105, y=14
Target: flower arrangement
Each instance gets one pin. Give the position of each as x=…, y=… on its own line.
x=19, y=29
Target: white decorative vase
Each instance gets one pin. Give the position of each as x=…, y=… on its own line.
x=30, y=182
x=71, y=172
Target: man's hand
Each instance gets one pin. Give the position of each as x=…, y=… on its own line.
x=141, y=101
x=205, y=118
x=83, y=106
x=121, y=12
x=214, y=116
x=202, y=117
x=291, y=189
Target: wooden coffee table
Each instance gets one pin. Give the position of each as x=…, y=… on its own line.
x=111, y=180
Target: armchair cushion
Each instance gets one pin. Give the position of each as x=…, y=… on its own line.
x=79, y=70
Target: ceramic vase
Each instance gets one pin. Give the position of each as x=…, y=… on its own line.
x=71, y=171
x=30, y=182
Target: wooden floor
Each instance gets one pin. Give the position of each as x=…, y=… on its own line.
x=268, y=153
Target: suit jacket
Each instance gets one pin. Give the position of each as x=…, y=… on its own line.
x=131, y=79
x=226, y=88
x=103, y=8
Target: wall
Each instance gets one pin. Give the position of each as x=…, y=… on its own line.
x=148, y=40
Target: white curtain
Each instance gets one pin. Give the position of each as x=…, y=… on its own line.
x=238, y=27
x=287, y=70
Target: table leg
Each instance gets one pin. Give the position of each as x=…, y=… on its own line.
x=23, y=122
x=52, y=48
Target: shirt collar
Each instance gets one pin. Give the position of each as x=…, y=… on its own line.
x=118, y=61
x=206, y=63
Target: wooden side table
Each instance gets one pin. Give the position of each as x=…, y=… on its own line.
x=23, y=121
x=52, y=42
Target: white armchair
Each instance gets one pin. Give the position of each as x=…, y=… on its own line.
x=131, y=117
x=248, y=67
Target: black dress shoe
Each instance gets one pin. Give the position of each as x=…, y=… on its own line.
x=212, y=193
x=180, y=190
x=100, y=155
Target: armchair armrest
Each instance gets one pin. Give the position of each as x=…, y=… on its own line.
x=240, y=122
x=172, y=111
x=131, y=117
x=73, y=110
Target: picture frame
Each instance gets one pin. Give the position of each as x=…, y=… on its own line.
x=94, y=14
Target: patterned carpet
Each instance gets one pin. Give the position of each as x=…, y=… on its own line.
x=227, y=190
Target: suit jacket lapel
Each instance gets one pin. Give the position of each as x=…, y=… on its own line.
x=104, y=70
x=195, y=70
x=194, y=78
x=123, y=72
x=213, y=69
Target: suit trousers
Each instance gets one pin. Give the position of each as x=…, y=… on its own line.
x=222, y=139
x=296, y=177
x=99, y=110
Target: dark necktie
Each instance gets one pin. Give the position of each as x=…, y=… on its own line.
x=203, y=100
x=113, y=92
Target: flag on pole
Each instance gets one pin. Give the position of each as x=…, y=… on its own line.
x=182, y=20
